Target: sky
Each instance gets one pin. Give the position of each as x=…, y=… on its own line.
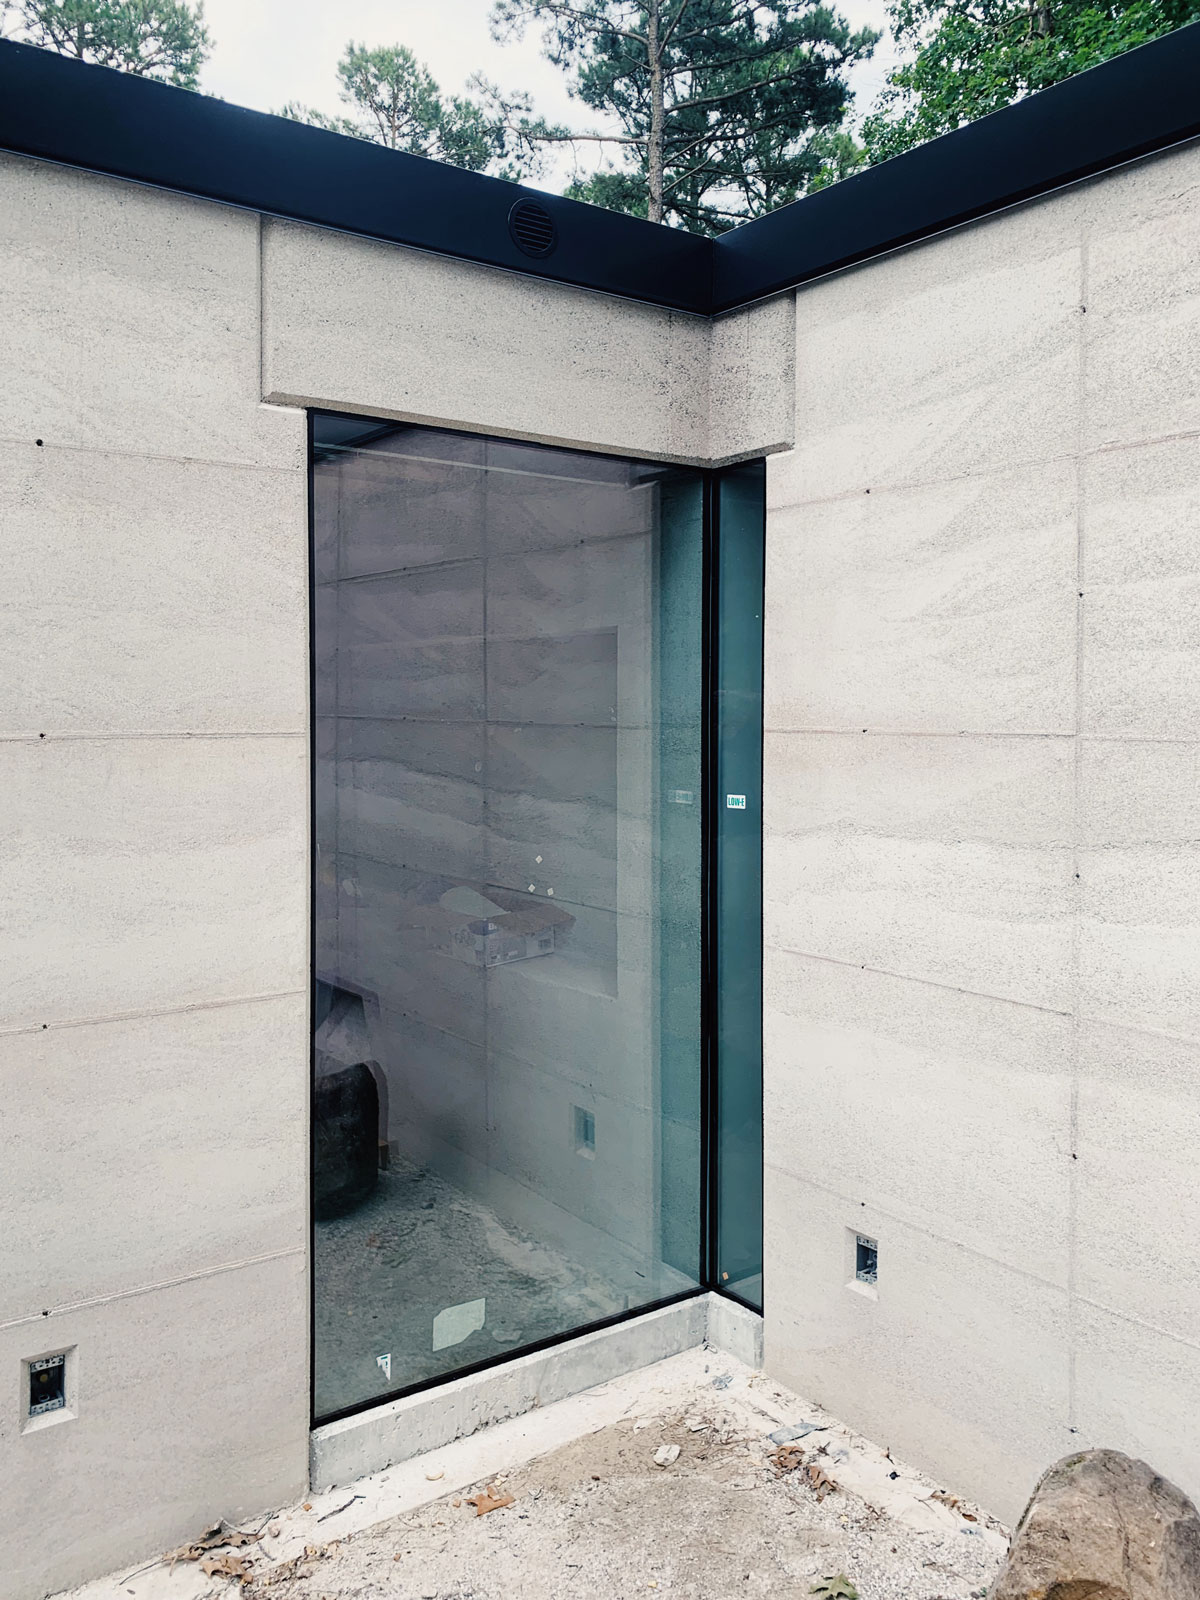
x=267, y=52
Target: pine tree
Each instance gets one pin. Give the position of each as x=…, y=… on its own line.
x=727, y=108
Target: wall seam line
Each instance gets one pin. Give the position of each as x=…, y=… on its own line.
x=225, y=464
x=101, y=1019
x=1139, y=1322
x=180, y=736
x=94, y=1301
x=932, y=983
x=916, y=1227
x=981, y=474
x=1076, y=891
x=924, y=733
x=1085, y=1017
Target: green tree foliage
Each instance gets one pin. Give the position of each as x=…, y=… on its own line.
x=395, y=101
x=153, y=38
x=726, y=108
x=970, y=57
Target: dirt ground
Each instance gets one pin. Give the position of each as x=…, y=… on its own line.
x=759, y=1493
x=734, y=1515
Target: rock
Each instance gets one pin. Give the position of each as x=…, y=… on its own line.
x=1102, y=1526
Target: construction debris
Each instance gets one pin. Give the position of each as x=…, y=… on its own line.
x=300, y=1566
x=338, y=1509
x=800, y=1431
x=492, y=1499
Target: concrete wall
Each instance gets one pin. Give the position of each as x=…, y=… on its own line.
x=154, y=761
x=982, y=872
x=154, y=772
x=360, y=326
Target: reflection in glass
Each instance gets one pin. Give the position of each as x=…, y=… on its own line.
x=508, y=691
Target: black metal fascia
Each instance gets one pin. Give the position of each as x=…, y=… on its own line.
x=63, y=110
x=106, y=121
x=1131, y=106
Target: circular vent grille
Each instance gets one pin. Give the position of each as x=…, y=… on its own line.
x=532, y=228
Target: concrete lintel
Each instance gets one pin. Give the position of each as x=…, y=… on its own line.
x=372, y=1440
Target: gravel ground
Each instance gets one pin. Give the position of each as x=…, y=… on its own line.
x=761, y=1493
x=598, y=1519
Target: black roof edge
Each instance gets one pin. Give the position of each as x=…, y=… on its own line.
x=64, y=111
x=78, y=115
x=1133, y=105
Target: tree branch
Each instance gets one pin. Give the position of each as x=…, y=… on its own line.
x=582, y=138
x=674, y=23
x=582, y=20
x=733, y=94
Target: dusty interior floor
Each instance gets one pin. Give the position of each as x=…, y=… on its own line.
x=735, y=1513
x=420, y=1245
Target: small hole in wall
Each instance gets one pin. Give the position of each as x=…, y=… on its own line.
x=585, y=1133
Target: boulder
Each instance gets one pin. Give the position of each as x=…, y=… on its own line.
x=1102, y=1526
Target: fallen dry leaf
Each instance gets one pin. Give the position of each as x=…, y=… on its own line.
x=214, y=1538
x=791, y=1458
x=490, y=1500
x=224, y=1567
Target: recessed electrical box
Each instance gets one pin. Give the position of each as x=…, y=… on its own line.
x=48, y=1389
x=585, y=1133
x=866, y=1260
x=861, y=1264
x=47, y=1385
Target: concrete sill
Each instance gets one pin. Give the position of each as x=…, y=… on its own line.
x=371, y=1440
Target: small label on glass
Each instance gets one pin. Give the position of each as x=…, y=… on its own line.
x=736, y=802
x=680, y=797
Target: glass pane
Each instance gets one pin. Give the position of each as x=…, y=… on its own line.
x=506, y=1099
x=739, y=562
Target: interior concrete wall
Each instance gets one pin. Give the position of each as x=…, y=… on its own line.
x=154, y=755
x=982, y=874
x=534, y=653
